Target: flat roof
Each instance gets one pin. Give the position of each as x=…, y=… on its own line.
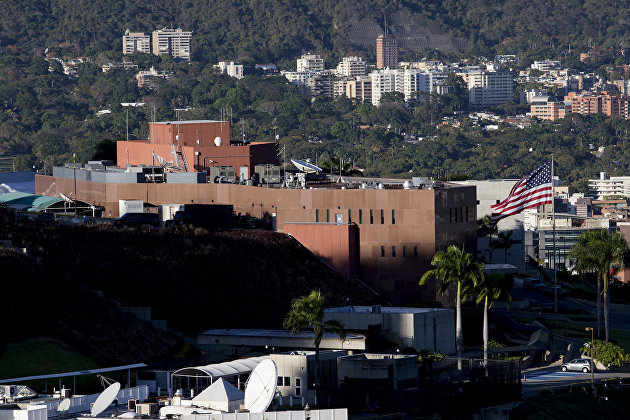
x=245, y=332
x=382, y=309
x=187, y=122
x=75, y=373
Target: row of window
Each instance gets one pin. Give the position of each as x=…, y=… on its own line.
x=458, y=214
x=407, y=251
x=361, y=219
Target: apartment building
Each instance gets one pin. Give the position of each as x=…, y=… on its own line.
x=547, y=108
x=604, y=103
x=174, y=42
x=310, y=63
x=603, y=187
x=231, y=68
x=384, y=81
x=136, y=42
x=351, y=66
x=408, y=82
x=360, y=89
x=386, y=52
x=546, y=65
x=489, y=88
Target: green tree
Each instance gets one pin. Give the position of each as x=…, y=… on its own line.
x=455, y=267
x=598, y=251
x=492, y=288
x=308, y=312
x=504, y=241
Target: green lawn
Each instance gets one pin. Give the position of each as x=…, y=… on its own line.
x=42, y=356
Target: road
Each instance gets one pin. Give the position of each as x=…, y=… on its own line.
x=548, y=378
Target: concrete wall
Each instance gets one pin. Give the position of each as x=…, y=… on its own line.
x=335, y=414
x=336, y=245
x=378, y=366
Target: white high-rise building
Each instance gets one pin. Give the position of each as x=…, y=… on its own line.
x=136, y=42
x=310, y=62
x=408, y=82
x=351, y=66
x=174, y=42
x=489, y=88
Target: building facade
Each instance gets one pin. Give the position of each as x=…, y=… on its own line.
x=547, y=108
x=174, y=42
x=231, y=68
x=351, y=66
x=604, y=187
x=136, y=42
x=310, y=63
x=489, y=88
x=386, y=52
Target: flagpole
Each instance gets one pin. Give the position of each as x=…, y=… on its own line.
x=555, y=249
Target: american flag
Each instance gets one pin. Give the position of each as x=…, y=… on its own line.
x=532, y=190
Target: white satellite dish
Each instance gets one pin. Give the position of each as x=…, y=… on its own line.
x=106, y=398
x=64, y=405
x=129, y=415
x=304, y=166
x=66, y=198
x=261, y=387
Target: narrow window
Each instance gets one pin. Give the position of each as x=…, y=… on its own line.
x=287, y=381
x=461, y=214
x=316, y=215
x=455, y=214
x=327, y=215
x=371, y=216
x=404, y=251
x=393, y=217
x=415, y=251
x=450, y=215
x=393, y=250
x=360, y=216
x=382, y=217
x=349, y=216
x=466, y=213
x=382, y=251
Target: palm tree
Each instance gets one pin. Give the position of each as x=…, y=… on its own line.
x=504, y=241
x=455, y=267
x=598, y=250
x=306, y=312
x=484, y=228
x=491, y=289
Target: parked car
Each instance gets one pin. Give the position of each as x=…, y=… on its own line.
x=533, y=284
x=138, y=219
x=46, y=217
x=549, y=291
x=578, y=365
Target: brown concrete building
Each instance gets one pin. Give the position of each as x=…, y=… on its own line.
x=399, y=229
x=589, y=103
x=203, y=144
x=547, y=108
x=386, y=52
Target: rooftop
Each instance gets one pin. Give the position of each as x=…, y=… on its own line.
x=245, y=332
x=187, y=122
x=382, y=309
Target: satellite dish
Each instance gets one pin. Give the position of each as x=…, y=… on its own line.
x=304, y=166
x=66, y=198
x=261, y=387
x=106, y=398
x=64, y=405
x=129, y=415
x=217, y=141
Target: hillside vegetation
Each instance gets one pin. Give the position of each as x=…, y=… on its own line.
x=271, y=30
x=194, y=279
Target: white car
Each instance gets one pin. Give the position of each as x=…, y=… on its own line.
x=583, y=365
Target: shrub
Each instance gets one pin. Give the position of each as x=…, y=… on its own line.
x=607, y=353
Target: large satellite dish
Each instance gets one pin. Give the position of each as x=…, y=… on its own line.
x=307, y=167
x=66, y=198
x=261, y=387
x=106, y=398
x=64, y=405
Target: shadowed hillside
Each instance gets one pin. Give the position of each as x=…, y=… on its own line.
x=193, y=279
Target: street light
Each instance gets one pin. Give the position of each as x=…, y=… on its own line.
x=592, y=358
x=127, y=105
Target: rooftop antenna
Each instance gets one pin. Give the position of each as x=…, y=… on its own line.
x=385, y=22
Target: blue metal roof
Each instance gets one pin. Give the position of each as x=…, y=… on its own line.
x=28, y=202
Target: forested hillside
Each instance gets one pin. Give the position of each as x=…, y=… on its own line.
x=274, y=30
